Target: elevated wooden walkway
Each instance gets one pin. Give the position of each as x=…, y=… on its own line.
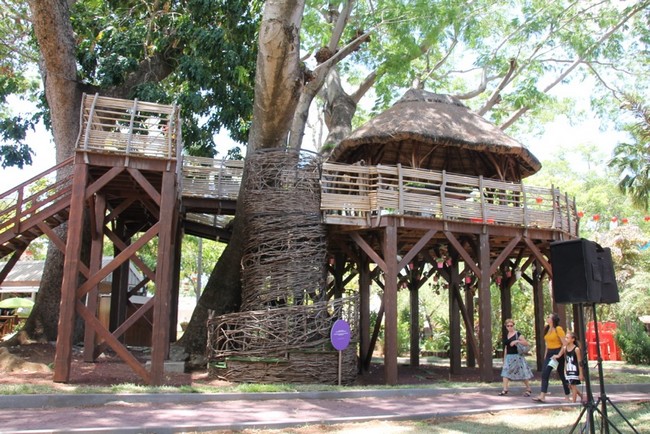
x=131, y=180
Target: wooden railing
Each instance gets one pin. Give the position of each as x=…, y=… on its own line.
x=129, y=127
x=351, y=195
x=31, y=199
x=210, y=178
x=356, y=195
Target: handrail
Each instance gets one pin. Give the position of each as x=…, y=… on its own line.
x=32, y=197
x=359, y=195
x=210, y=178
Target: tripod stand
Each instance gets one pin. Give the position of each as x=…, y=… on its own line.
x=590, y=407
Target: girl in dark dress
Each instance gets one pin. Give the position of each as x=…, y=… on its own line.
x=573, y=365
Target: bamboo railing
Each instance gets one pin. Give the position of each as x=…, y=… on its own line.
x=129, y=127
x=356, y=195
x=210, y=178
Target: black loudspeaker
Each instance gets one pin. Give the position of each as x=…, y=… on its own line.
x=582, y=273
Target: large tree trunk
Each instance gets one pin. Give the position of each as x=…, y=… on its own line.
x=51, y=23
x=278, y=83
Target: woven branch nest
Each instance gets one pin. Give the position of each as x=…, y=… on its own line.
x=282, y=331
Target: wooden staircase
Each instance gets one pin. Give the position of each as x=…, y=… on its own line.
x=32, y=209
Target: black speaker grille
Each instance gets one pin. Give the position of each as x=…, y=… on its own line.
x=582, y=273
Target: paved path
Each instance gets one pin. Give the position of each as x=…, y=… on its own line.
x=167, y=413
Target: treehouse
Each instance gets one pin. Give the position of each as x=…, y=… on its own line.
x=426, y=190
x=429, y=190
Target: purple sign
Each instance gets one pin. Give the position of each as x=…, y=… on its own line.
x=340, y=334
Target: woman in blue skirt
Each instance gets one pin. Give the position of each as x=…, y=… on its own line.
x=515, y=367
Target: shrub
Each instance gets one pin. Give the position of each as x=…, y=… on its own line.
x=634, y=342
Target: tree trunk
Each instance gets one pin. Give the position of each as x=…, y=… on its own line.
x=51, y=23
x=278, y=82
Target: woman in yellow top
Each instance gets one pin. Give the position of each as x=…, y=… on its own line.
x=554, y=339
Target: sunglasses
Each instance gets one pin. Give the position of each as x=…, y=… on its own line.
x=510, y=325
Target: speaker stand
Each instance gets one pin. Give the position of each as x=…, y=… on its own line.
x=590, y=406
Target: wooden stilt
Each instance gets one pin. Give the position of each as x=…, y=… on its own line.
x=63, y=356
x=390, y=300
x=485, y=311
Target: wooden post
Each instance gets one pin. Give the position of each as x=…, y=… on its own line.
x=390, y=302
x=364, y=302
x=160, y=337
x=96, y=254
x=454, y=320
x=538, y=307
x=63, y=356
x=485, y=311
x=414, y=285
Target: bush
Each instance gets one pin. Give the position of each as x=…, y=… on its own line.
x=634, y=342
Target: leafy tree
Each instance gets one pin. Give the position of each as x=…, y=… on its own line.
x=632, y=160
x=198, y=54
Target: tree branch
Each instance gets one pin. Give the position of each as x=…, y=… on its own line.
x=496, y=95
x=581, y=59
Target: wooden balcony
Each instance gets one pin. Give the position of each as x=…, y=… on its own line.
x=361, y=195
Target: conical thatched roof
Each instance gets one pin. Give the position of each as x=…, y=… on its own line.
x=437, y=132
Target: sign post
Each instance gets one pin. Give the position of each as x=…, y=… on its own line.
x=340, y=337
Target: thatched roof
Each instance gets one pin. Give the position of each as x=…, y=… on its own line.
x=437, y=132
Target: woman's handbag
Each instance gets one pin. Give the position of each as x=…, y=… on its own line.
x=522, y=349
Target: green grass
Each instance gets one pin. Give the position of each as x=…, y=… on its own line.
x=613, y=372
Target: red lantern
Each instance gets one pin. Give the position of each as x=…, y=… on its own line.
x=614, y=219
x=647, y=218
x=624, y=220
x=596, y=217
x=581, y=214
x=539, y=199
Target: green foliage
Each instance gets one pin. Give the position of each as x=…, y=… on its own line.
x=631, y=159
x=634, y=341
x=199, y=54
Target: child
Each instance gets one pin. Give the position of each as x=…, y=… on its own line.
x=573, y=365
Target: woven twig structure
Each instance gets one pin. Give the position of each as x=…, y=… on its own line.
x=284, y=257
x=282, y=330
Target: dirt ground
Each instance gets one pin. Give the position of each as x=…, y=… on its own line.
x=32, y=365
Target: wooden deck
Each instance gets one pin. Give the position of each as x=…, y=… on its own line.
x=351, y=196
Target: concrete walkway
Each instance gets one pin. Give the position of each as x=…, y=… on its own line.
x=170, y=413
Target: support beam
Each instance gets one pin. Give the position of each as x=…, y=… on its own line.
x=160, y=338
x=390, y=302
x=364, y=309
x=64, y=341
x=414, y=295
x=97, y=212
x=485, y=311
x=454, y=320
